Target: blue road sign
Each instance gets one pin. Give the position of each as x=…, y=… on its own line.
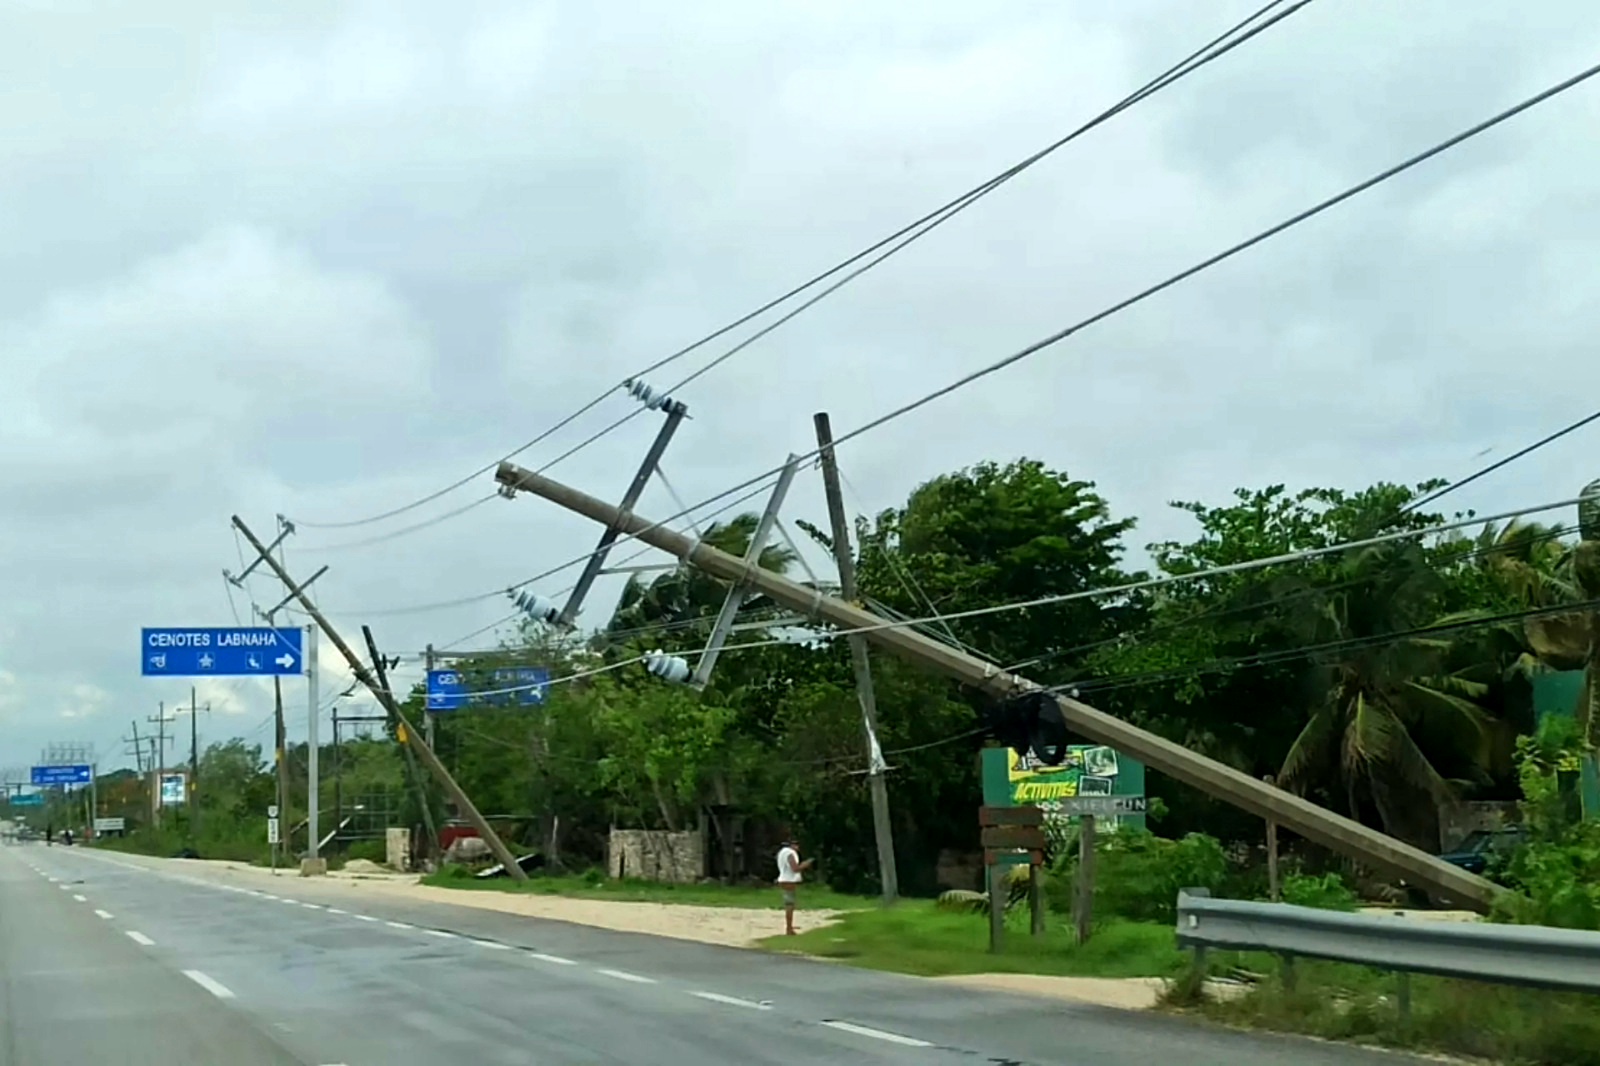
x=81, y=774
x=238, y=652
x=29, y=799
x=522, y=686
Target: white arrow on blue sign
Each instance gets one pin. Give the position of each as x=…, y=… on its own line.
x=255, y=651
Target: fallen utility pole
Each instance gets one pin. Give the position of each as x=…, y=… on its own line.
x=1288, y=810
x=412, y=737
x=882, y=827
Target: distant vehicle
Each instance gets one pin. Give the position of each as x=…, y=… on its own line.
x=1485, y=846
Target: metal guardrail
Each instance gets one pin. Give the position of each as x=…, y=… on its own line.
x=1526, y=955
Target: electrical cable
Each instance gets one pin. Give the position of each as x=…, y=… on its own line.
x=913, y=231
x=1551, y=438
x=1141, y=585
x=1183, y=275
x=1275, y=601
x=1270, y=658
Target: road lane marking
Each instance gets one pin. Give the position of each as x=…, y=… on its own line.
x=732, y=1001
x=312, y=906
x=140, y=938
x=399, y=925
x=624, y=975
x=103, y=914
x=363, y=917
x=556, y=959
x=210, y=984
x=440, y=933
x=336, y=910
x=492, y=945
x=268, y=895
x=79, y=898
x=878, y=1034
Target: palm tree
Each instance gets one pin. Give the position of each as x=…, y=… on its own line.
x=683, y=596
x=1393, y=733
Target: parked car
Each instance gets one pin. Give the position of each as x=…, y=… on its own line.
x=1485, y=846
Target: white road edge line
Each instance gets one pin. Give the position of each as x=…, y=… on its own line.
x=103, y=914
x=878, y=1034
x=732, y=1001
x=624, y=975
x=557, y=959
x=140, y=938
x=210, y=984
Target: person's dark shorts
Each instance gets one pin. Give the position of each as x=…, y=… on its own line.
x=788, y=894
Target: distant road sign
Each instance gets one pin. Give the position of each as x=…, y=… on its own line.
x=81, y=774
x=173, y=789
x=31, y=799
x=450, y=690
x=110, y=825
x=256, y=651
x=1102, y=806
x=272, y=831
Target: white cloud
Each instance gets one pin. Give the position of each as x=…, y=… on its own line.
x=322, y=260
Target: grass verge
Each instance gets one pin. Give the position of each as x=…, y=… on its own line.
x=627, y=890
x=1359, y=1005
x=915, y=937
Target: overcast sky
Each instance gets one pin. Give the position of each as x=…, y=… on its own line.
x=321, y=259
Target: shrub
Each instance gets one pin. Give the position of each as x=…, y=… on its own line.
x=1138, y=874
x=1327, y=892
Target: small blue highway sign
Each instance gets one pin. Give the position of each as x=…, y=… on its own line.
x=238, y=652
x=450, y=690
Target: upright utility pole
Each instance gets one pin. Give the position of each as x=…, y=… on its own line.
x=427, y=715
x=158, y=761
x=882, y=827
x=312, y=780
x=283, y=758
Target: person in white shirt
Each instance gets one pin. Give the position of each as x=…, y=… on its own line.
x=790, y=870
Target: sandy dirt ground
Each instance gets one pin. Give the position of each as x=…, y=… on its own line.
x=1126, y=993
x=730, y=926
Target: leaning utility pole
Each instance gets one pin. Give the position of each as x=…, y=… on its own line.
x=1290, y=811
x=882, y=827
x=413, y=779
x=379, y=690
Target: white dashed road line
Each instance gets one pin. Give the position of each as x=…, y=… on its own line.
x=399, y=925
x=624, y=975
x=878, y=1034
x=363, y=917
x=79, y=898
x=312, y=906
x=440, y=933
x=732, y=1001
x=210, y=984
x=492, y=945
x=555, y=959
x=103, y=914
x=336, y=910
x=140, y=938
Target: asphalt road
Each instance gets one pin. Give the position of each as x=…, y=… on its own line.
x=106, y=959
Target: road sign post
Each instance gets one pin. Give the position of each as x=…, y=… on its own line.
x=240, y=651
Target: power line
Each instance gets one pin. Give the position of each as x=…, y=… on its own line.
x=1571, y=427
x=1276, y=601
x=1269, y=658
x=906, y=235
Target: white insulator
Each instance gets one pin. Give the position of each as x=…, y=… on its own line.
x=536, y=606
x=652, y=399
x=667, y=667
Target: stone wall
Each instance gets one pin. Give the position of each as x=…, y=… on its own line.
x=656, y=855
